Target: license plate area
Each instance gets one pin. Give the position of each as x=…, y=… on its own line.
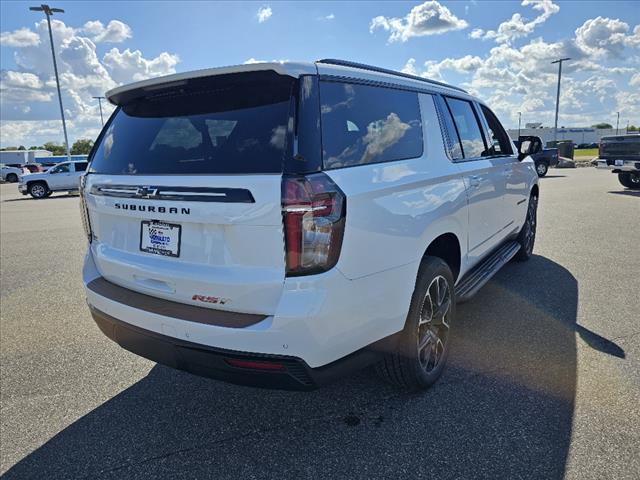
x=619, y=163
x=160, y=238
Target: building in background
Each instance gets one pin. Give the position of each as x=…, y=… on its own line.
x=9, y=157
x=577, y=135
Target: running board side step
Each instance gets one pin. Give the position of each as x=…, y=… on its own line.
x=482, y=273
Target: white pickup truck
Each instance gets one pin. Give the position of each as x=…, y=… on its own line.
x=63, y=177
x=11, y=174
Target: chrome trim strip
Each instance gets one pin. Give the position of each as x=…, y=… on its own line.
x=191, y=194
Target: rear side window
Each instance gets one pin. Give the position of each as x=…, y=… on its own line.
x=81, y=166
x=232, y=124
x=467, y=127
x=500, y=143
x=364, y=124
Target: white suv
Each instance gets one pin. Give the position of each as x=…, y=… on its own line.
x=282, y=224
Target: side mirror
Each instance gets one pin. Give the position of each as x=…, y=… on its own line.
x=528, y=146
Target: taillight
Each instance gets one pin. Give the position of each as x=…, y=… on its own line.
x=84, y=212
x=314, y=210
x=600, y=149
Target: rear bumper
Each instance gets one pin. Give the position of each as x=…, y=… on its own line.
x=622, y=166
x=287, y=373
x=321, y=321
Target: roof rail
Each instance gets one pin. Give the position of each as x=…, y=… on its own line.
x=363, y=66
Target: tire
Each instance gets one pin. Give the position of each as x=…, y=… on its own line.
x=629, y=180
x=12, y=178
x=542, y=169
x=527, y=235
x=38, y=190
x=423, y=345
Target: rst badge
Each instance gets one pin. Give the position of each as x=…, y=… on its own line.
x=209, y=299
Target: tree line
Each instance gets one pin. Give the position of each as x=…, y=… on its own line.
x=80, y=147
x=632, y=128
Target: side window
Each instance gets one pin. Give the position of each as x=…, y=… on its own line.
x=62, y=168
x=365, y=124
x=500, y=144
x=467, y=126
x=80, y=166
x=455, y=149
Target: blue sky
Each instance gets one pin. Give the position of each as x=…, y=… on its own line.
x=498, y=50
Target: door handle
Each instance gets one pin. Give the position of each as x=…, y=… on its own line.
x=474, y=181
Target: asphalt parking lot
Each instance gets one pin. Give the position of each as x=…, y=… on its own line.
x=543, y=381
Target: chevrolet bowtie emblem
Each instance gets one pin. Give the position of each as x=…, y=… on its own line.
x=147, y=192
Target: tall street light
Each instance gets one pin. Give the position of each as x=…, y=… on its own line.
x=48, y=11
x=519, y=120
x=100, y=105
x=617, y=122
x=555, y=128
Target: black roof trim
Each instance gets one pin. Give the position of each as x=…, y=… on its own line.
x=363, y=66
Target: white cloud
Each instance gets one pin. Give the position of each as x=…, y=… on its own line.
x=82, y=75
x=517, y=26
x=130, y=65
x=331, y=16
x=22, y=37
x=511, y=79
x=433, y=70
x=115, y=31
x=20, y=87
x=20, y=79
x=264, y=13
x=601, y=35
x=254, y=60
x=429, y=18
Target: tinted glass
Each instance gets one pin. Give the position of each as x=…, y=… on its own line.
x=455, y=149
x=230, y=124
x=81, y=166
x=364, y=124
x=467, y=127
x=62, y=168
x=500, y=143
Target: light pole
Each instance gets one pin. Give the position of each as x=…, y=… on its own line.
x=555, y=128
x=519, y=121
x=100, y=105
x=48, y=11
x=617, y=122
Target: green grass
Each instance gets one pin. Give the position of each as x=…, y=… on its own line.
x=585, y=152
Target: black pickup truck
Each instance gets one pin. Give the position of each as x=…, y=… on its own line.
x=621, y=155
x=543, y=157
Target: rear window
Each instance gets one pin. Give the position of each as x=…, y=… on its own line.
x=364, y=124
x=228, y=124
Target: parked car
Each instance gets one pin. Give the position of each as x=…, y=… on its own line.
x=11, y=173
x=543, y=157
x=621, y=155
x=283, y=224
x=61, y=177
